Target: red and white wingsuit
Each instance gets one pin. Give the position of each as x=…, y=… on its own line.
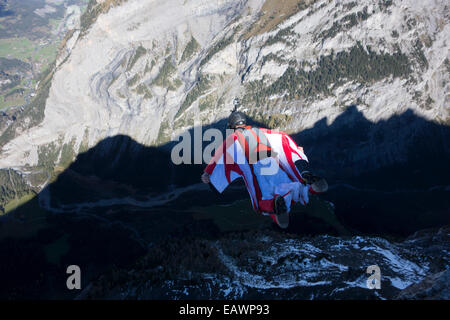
x=265, y=177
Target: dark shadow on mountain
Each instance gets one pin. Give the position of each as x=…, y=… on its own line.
x=55, y=230
x=391, y=176
x=387, y=178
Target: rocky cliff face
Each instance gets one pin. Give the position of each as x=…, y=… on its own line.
x=269, y=266
x=362, y=85
x=149, y=69
x=433, y=287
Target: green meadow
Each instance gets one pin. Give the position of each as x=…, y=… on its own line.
x=26, y=50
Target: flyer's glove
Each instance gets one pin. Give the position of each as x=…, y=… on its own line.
x=205, y=178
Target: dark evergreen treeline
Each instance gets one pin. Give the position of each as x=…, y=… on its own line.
x=201, y=86
x=11, y=186
x=360, y=64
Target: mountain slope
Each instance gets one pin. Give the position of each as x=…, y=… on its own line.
x=255, y=265
x=365, y=84
x=132, y=76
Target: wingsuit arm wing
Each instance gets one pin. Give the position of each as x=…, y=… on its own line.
x=297, y=152
x=288, y=152
x=224, y=167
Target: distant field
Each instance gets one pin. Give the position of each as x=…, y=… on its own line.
x=6, y=104
x=19, y=48
x=26, y=50
x=28, y=34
